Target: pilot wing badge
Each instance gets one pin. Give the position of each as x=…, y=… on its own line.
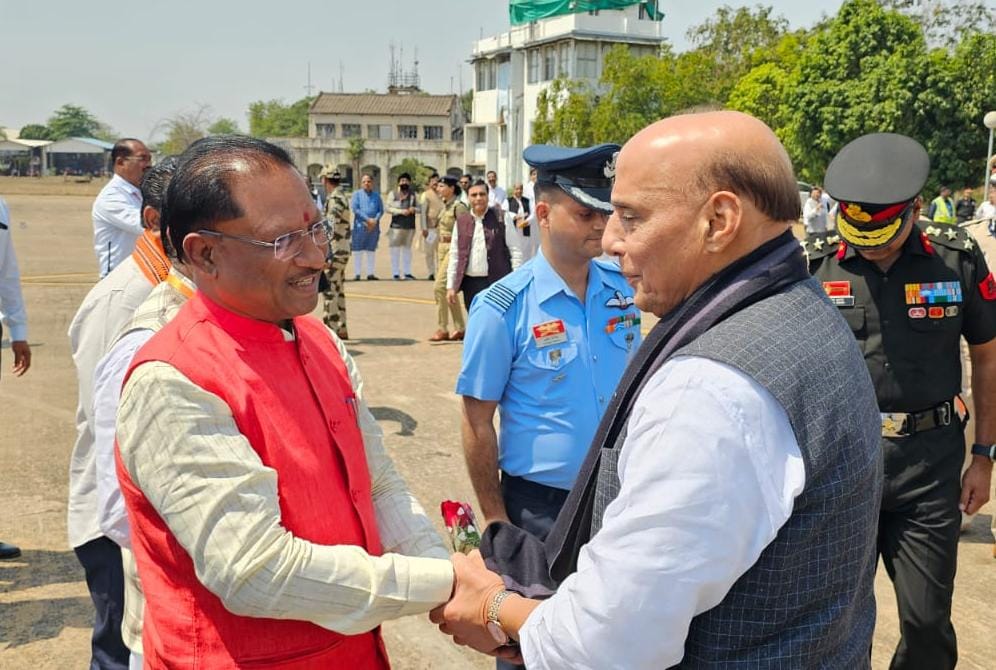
x=619, y=301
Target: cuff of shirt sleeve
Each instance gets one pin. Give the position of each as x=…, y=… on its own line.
x=18, y=332
x=430, y=584
x=529, y=636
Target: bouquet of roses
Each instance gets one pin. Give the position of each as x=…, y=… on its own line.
x=459, y=520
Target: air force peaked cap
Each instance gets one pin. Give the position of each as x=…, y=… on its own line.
x=876, y=179
x=584, y=174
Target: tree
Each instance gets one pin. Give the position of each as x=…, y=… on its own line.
x=563, y=114
x=945, y=24
x=184, y=128
x=75, y=121
x=224, y=126
x=467, y=105
x=860, y=74
x=357, y=146
x=273, y=118
x=35, y=131
x=419, y=172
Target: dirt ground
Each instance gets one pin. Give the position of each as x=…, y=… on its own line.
x=46, y=612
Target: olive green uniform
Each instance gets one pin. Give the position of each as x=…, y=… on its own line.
x=337, y=218
x=444, y=226
x=908, y=321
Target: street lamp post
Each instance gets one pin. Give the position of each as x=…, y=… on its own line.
x=989, y=121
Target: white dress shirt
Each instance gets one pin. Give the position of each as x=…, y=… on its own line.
x=496, y=196
x=105, y=311
x=814, y=216
x=477, y=264
x=241, y=552
x=709, y=472
x=12, y=313
x=117, y=222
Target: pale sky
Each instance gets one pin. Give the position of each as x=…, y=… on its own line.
x=135, y=63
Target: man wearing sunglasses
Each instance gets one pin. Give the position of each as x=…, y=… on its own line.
x=266, y=524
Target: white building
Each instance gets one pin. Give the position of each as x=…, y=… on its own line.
x=512, y=68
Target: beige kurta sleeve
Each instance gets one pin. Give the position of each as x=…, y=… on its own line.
x=181, y=446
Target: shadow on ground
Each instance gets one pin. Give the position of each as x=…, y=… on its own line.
x=383, y=342
x=407, y=421
x=32, y=619
x=978, y=531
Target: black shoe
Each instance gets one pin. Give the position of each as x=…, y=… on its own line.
x=397, y=277
x=432, y=277
x=356, y=278
x=373, y=278
x=409, y=277
x=8, y=551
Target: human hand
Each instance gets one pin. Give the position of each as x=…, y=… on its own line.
x=371, y=224
x=451, y=296
x=22, y=357
x=975, y=485
x=425, y=233
x=464, y=616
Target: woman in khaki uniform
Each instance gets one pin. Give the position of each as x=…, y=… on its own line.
x=452, y=208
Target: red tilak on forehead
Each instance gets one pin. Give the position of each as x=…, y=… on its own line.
x=306, y=217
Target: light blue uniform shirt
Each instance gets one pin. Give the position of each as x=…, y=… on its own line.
x=551, y=363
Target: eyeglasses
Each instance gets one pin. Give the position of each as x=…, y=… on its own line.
x=285, y=247
x=141, y=158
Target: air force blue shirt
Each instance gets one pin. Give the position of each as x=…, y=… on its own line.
x=550, y=361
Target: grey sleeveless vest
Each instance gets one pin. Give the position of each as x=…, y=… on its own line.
x=808, y=602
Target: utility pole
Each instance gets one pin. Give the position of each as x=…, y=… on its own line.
x=309, y=88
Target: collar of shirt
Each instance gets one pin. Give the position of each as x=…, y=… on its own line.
x=548, y=283
x=120, y=183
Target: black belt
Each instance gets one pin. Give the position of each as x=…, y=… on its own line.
x=904, y=424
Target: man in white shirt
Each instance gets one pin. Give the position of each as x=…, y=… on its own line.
x=814, y=212
x=117, y=211
x=496, y=194
x=715, y=521
x=12, y=316
x=105, y=310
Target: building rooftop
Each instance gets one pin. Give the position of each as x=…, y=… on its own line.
x=406, y=104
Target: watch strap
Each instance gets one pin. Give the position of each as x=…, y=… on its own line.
x=987, y=450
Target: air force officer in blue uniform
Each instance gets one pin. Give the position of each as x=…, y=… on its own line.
x=547, y=345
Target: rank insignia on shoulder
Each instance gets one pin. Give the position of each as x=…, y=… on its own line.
x=619, y=301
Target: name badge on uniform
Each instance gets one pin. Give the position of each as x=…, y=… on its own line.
x=839, y=293
x=549, y=333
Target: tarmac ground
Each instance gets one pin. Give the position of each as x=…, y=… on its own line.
x=46, y=610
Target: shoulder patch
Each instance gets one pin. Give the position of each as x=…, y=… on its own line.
x=503, y=292
x=949, y=236
x=820, y=245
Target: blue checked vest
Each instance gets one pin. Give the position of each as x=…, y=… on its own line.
x=808, y=602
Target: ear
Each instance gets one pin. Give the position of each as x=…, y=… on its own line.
x=150, y=218
x=198, y=252
x=723, y=212
x=543, y=213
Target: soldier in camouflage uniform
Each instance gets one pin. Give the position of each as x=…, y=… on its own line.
x=452, y=208
x=337, y=218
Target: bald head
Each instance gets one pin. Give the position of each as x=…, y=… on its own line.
x=692, y=194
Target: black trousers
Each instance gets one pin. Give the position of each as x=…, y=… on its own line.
x=470, y=287
x=918, y=542
x=101, y=560
x=533, y=508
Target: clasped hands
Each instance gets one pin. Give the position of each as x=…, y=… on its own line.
x=464, y=617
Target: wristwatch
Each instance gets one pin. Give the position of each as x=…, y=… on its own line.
x=987, y=450
x=493, y=625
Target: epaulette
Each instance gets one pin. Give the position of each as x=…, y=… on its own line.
x=820, y=245
x=503, y=292
x=948, y=235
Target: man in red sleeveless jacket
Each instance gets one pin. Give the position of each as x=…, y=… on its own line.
x=263, y=529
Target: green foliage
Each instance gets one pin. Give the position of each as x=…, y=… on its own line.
x=35, y=131
x=75, y=121
x=563, y=114
x=944, y=24
x=224, y=126
x=419, y=171
x=357, y=145
x=274, y=118
x=467, y=104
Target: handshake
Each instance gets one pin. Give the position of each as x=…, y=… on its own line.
x=481, y=614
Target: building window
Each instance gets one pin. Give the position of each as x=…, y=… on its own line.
x=533, y=58
x=407, y=132
x=325, y=129
x=432, y=132
x=377, y=132
x=587, y=67
x=549, y=63
x=485, y=71
x=564, y=60
x=352, y=130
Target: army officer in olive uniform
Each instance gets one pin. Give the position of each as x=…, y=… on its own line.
x=908, y=293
